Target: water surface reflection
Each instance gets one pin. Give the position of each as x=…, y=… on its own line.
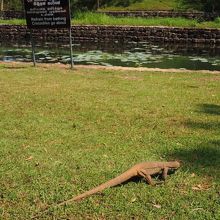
x=142, y=54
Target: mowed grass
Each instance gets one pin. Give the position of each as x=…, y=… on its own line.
x=148, y=5
x=64, y=132
x=91, y=18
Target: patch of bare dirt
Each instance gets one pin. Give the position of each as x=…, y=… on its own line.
x=117, y=68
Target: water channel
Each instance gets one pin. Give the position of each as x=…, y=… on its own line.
x=132, y=54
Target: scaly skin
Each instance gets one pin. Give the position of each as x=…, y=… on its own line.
x=145, y=170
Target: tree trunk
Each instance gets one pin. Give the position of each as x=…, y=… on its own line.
x=213, y=8
x=2, y=5
x=98, y=4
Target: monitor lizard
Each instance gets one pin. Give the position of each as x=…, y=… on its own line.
x=145, y=170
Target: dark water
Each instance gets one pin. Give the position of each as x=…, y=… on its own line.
x=132, y=54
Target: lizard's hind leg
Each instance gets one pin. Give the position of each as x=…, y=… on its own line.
x=146, y=176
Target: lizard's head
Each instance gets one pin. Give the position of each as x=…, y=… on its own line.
x=174, y=164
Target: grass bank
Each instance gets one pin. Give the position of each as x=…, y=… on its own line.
x=146, y=5
x=90, y=18
x=63, y=132
x=102, y=19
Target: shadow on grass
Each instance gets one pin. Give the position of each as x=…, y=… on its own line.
x=14, y=67
x=204, y=158
x=209, y=109
x=204, y=125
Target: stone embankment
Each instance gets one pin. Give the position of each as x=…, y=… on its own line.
x=94, y=33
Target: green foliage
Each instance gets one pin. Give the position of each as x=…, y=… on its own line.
x=79, y=5
x=13, y=5
x=211, y=24
x=145, y=5
x=119, y=3
x=13, y=21
x=84, y=5
x=91, y=18
x=102, y=19
x=217, y=20
x=204, y=5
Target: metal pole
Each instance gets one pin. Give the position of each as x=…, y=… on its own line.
x=33, y=48
x=70, y=36
x=71, y=48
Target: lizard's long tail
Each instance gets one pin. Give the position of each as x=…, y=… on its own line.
x=113, y=182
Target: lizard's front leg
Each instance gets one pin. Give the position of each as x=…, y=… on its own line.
x=146, y=176
x=164, y=174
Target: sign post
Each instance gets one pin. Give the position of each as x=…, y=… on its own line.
x=46, y=14
x=71, y=42
x=33, y=48
x=71, y=48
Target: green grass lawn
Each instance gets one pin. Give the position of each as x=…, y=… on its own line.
x=63, y=132
x=90, y=18
x=148, y=5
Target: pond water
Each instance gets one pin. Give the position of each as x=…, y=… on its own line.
x=142, y=54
